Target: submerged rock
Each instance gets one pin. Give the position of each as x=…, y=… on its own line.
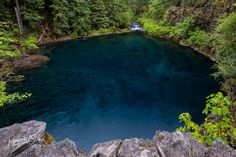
x=28, y=140
x=26, y=62
x=30, y=62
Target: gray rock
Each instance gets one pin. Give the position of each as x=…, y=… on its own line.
x=137, y=148
x=219, y=149
x=179, y=144
x=65, y=148
x=33, y=151
x=18, y=137
x=107, y=149
x=28, y=140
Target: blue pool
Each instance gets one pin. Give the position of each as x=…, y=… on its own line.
x=114, y=87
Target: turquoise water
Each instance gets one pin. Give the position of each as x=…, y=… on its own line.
x=114, y=87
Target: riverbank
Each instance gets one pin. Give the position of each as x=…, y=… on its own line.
x=36, y=59
x=53, y=39
x=31, y=139
x=165, y=32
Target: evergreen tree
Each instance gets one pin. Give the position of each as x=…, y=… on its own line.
x=5, y=8
x=80, y=17
x=60, y=16
x=156, y=9
x=32, y=11
x=117, y=13
x=98, y=16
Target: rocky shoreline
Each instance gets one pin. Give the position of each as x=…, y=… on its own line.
x=30, y=139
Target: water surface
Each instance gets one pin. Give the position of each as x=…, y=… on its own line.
x=114, y=87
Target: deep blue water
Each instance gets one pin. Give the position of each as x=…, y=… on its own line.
x=114, y=87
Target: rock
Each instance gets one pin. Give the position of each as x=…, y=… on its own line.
x=137, y=147
x=30, y=62
x=219, y=149
x=30, y=140
x=65, y=148
x=33, y=151
x=18, y=137
x=107, y=149
x=179, y=145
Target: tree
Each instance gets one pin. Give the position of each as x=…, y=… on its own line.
x=156, y=9
x=60, y=16
x=98, y=16
x=5, y=8
x=80, y=17
x=117, y=13
x=32, y=11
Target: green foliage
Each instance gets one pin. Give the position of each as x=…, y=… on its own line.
x=152, y=27
x=29, y=42
x=199, y=39
x=156, y=9
x=188, y=2
x=137, y=6
x=31, y=11
x=7, y=75
x=234, y=5
x=98, y=14
x=5, y=14
x=119, y=16
x=182, y=29
x=220, y=127
x=80, y=17
x=220, y=2
x=71, y=16
x=226, y=47
x=10, y=98
x=60, y=19
x=6, y=40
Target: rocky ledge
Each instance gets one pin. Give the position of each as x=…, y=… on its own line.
x=29, y=139
x=29, y=61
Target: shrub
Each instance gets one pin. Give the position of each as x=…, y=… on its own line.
x=182, y=29
x=226, y=47
x=10, y=98
x=30, y=42
x=220, y=127
x=152, y=27
x=200, y=39
x=6, y=40
x=156, y=9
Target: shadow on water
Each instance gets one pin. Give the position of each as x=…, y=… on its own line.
x=110, y=87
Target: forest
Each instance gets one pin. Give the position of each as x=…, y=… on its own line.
x=207, y=26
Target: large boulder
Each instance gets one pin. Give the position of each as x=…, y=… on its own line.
x=107, y=149
x=18, y=137
x=137, y=147
x=179, y=145
x=219, y=149
x=65, y=148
